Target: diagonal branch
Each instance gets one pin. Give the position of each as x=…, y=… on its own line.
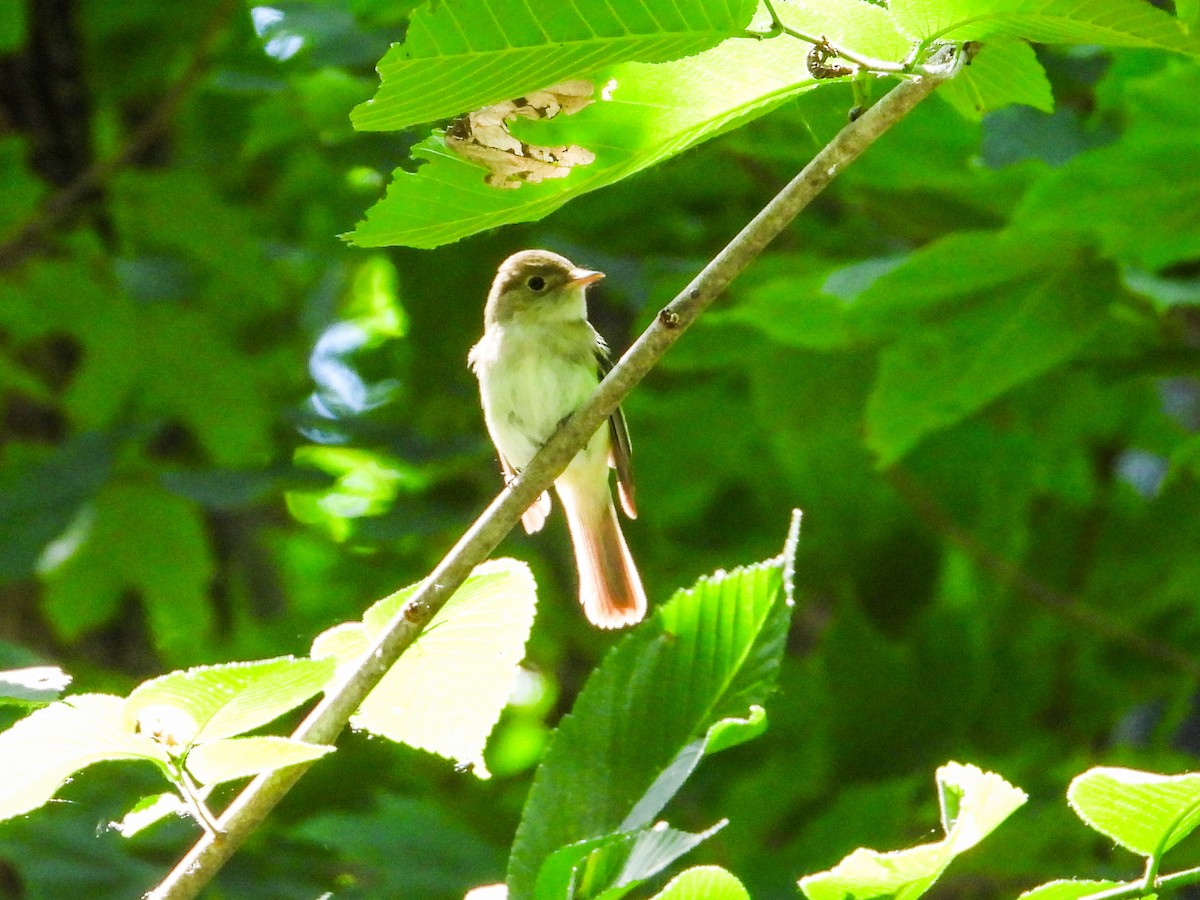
x=329, y=717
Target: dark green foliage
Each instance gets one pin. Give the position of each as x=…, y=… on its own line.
x=972, y=363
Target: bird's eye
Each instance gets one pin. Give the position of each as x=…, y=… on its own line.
x=536, y=283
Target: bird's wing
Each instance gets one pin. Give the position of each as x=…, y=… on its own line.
x=620, y=450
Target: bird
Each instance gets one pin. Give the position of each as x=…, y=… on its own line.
x=539, y=359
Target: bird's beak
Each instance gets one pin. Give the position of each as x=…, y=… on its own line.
x=585, y=276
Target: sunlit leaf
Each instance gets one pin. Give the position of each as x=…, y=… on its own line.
x=233, y=758
x=149, y=811
x=973, y=804
x=1142, y=811
x=48, y=746
x=460, y=55
x=35, y=684
x=1069, y=889
x=446, y=692
x=1004, y=72
x=656, y=112
x=703, y=883
x=232, y=698
x=857, y=25
x=1108, y=23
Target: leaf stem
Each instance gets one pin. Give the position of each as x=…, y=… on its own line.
x=1142, y=887
x=1152, y=864
x=328, y=718
x=194, y=799
x=883, y=66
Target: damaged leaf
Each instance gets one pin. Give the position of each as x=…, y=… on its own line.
x=483, y=136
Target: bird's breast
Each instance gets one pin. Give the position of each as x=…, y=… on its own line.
x=531, y=378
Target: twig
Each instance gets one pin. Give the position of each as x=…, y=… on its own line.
x=21, y=239
x=1062, y=605
x=328, y=718
x=194, y=798
x=907, y=67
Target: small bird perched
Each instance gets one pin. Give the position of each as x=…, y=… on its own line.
x=539, y=359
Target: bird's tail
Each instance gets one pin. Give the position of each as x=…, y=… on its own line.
x=610, y=588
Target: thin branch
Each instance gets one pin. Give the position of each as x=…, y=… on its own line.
x=22, y=238
x=193, y=796
x=328, y=718
x=1062, y=605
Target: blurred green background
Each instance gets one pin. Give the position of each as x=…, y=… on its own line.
x=222, y=430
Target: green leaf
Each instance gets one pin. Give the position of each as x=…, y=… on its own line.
x=460, y=55
x=149, y=811
x=383, y=12
x=791, y=305
x=232, y=698
x=1106, y=192
x=938, y=373
x=973, y=804
x=218, y=390
x=40, y=497
x=1109, y=23
x=890, y=296
x=23, y=190
x=47, y=747
x=710, y=654
x=731, y=732
x=1068, y=889
x=12, y=27
x=1142, y=811
x=164, y=556
x=1188, y=12
x=227, y=760
x=218, y=238
x=722, y=735
x=1165, y=292
x=656, y=112
x=446, y=692
x=215, y=387
x=615, y=864
x=703, y=883
x=1004, y=72
x=233, y=489
x=16, y=381
x=451, y=853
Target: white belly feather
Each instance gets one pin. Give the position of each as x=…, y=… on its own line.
x=547, y=373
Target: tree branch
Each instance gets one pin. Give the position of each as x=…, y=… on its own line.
x=328, y=718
